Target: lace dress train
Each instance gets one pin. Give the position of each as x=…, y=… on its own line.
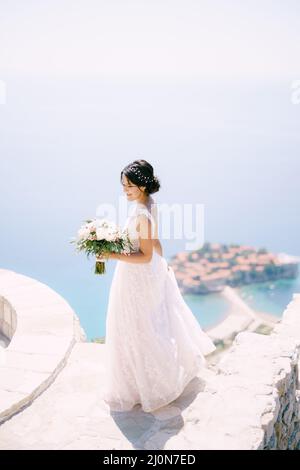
x=154, y=345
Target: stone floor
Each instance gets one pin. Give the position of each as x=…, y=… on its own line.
x=71, y=413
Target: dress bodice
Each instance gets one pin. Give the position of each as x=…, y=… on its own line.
x=131, y=223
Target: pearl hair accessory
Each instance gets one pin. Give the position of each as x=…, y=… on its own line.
x=145, y=179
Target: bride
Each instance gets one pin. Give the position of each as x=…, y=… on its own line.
x=154, y=345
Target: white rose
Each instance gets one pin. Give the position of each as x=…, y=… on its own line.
x=101, y=233
x=112, y=236
x=92, y=225
x=104, y=222
x=98, y=222
x=83, y=233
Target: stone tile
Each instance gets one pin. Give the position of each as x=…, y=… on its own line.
x=40, y=344
x=8, y=398
x=233, y=406
x=30, y=362
x=24, y=382
x=43, y=324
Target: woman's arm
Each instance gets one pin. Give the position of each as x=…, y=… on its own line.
x=157, y=245
x=145, y=242
x=138, y=257
x=144, y=227
x=156, y=242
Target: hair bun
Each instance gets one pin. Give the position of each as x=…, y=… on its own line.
x=140, y=172
x=154, y=186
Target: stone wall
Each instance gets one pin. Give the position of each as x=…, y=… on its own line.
x=8, y=319
x=283, y=425
x=248, y=400
x=258, y=384
x=41, y=328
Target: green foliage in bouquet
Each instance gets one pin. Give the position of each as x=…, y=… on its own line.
x=100, y=237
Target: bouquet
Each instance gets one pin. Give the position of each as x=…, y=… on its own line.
x=100, y=236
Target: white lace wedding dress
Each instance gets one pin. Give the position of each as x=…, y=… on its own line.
x=154, y=345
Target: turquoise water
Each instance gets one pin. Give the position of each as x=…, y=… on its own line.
x=270, y=297
x=88, y=295
x=208, y=309
x=61, y=159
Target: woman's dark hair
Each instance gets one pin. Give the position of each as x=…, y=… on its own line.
x=140, y=173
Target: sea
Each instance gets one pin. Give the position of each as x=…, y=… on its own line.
x=230, y=145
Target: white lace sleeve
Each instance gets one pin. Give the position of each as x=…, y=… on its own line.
x=149, y=216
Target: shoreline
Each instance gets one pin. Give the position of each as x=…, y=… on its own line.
x=240, y=317
x=217, y=322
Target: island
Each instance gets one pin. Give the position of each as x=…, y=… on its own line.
x=216, y=265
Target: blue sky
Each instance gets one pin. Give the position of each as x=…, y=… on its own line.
x=157, y=39
x=201, y=89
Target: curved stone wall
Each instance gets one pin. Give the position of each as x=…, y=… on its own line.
x=8, y=321
x=41, y=329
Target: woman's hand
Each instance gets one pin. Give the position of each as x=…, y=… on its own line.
x=105, y=256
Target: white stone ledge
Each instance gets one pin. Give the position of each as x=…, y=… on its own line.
x=254, y=398
x=41, y=329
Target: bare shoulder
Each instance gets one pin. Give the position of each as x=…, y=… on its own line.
x=144, y=227
x=143, y=219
